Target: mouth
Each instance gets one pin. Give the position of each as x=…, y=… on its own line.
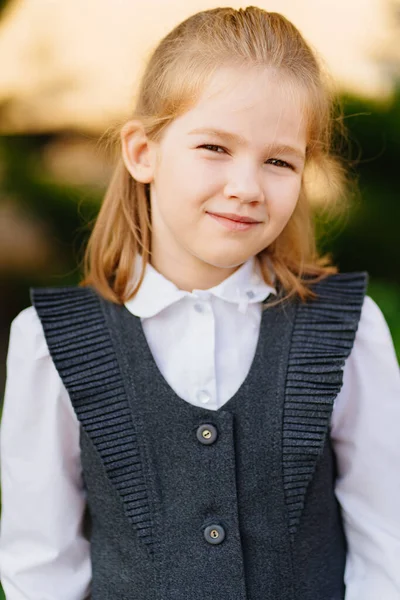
x=233, y=217
x=234, y=222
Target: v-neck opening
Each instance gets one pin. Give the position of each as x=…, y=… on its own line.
x=142, y=343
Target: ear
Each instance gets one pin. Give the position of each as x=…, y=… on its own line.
x=136, y=151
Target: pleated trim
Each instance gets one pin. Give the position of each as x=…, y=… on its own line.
x=82, y=351
x=323, y=336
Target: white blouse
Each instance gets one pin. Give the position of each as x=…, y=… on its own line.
x=43, y=553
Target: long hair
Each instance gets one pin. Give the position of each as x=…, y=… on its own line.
x=175, y=76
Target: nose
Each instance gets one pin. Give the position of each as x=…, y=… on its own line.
x=244, y=186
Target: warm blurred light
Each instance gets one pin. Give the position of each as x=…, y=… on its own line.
x=75, y=64
x=24, y=243
x=71, y=160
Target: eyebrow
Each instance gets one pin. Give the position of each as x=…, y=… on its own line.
x=233, y=137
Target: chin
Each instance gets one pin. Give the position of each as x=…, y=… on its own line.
x=225, y=261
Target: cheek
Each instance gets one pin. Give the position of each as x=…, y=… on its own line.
x=184, y=190
x=174, y=202
x=283, y=197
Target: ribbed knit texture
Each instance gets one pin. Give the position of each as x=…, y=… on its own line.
x=74, y=326
x=272, y=449
x=322, y=339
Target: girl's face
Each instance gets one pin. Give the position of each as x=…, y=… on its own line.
x=250, y=168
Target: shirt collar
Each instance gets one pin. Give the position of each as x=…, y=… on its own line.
x=245, y=286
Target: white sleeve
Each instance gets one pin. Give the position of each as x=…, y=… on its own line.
x=43, y=552
x=366, y=438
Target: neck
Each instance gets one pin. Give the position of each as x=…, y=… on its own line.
x=189, y=276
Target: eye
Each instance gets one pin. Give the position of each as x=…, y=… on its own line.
x=282, y=163
x=275, y=161
x=211, y=147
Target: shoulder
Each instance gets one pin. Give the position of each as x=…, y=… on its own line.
x=373, y=356
x=60, y=303
x=339, y=292
x=27, y=335
x=27, y=331
x=338, y=299
x=373, y=328
x=52, y=295
x=371, y=374
x=26, y=319
x=353, y=282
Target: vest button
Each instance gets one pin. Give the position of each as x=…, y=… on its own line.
x=207, y=434
x=214, y=534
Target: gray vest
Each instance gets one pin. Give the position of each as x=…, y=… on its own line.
x=185, y=503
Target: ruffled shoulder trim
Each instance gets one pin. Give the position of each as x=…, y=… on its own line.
x=83, y=353
x=322, y=339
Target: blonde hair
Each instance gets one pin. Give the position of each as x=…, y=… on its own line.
x=176, y=74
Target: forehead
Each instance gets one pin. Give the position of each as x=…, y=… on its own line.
x=252, y=103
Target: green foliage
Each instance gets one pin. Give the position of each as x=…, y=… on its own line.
x=366, y=239
x=369, y=239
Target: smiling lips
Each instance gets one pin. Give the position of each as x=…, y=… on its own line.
x=234, y=222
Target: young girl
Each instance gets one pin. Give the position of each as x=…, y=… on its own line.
x=214, y=413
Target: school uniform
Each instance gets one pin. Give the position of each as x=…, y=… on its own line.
x=201, y=424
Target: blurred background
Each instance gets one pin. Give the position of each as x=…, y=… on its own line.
x=68, y=73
